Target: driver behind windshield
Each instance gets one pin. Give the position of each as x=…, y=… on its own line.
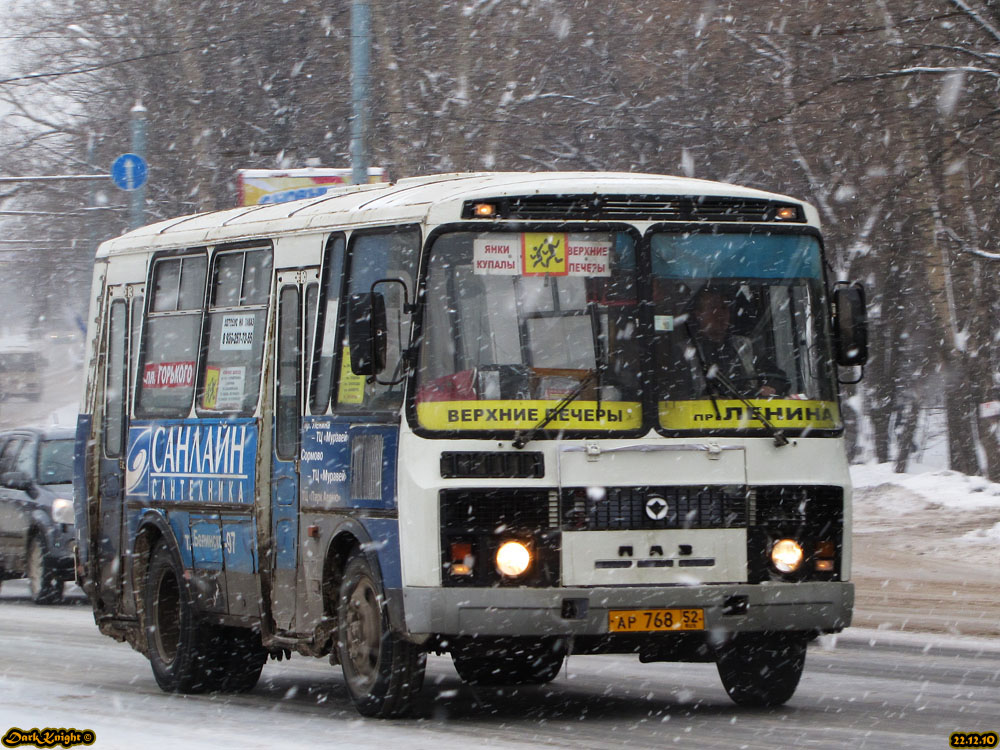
x=719, y=351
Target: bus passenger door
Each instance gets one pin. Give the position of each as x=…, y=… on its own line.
x=293, y=333
x=123, y=309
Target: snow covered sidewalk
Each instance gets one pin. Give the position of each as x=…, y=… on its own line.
x=926, y=551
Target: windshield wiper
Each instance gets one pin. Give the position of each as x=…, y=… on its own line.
x=706, y=373
x=600, y=354
x=714, y=375
x=774, y=432
x=521, y=440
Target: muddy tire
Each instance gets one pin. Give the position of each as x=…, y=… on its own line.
x=179, y=647
x=382, y=671
x=762, y=669
x=508, y=661
x=44, y=586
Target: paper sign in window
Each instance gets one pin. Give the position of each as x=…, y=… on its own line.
x=352, y=387
x=210, y=396
x=168, y=375
x=232, y=387
x=587, y=257
x=542, y=254
x=224, y=388
x=237, y=331
x=497, y=256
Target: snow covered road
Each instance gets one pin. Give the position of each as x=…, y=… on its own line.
x=862, y=689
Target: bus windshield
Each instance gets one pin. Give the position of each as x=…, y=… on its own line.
x=738, y=326
x=517, y=321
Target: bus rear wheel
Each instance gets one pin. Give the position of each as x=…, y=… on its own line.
x=383, y=672
x=762, y=669
x=179, y=647
x=508, y=661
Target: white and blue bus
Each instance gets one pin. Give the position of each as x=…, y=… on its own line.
x=509, y=417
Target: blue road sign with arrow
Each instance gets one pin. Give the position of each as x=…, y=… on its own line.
x=129, y=172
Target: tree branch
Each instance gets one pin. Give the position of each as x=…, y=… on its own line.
x=964, y=7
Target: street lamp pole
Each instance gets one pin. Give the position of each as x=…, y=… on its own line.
x=137, y=205
x=360, y=58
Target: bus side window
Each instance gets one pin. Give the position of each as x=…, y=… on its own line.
x=170, y=337
x=229, y=380
x=312, y=302
x=325, y=347
x=135, y=326
x=289, y=374
x=381, y=255
x=114, y=388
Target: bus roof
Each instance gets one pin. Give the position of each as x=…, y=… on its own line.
x=437, y=198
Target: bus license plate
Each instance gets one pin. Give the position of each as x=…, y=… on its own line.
x=651, y=620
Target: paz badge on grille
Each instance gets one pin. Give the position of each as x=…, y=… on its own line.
x=656, y=508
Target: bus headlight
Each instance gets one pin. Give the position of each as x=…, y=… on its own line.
x=513, y=559
x=62, y=511
x=787, y=555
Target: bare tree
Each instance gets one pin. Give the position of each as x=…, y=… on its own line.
x=880, y=113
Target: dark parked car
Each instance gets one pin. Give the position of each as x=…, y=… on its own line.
x=36, y=509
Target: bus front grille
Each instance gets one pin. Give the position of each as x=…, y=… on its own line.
x=492, y=510
x=492, y=464
x=626, y=508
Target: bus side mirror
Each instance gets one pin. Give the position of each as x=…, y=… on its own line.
x=366, y=333
x=850, y=325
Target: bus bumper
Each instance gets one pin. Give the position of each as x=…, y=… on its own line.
x=821, y=607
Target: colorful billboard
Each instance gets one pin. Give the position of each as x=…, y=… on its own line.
x=192, y=461
x=257, y=186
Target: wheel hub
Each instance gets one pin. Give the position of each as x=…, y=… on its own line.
x=364, y=630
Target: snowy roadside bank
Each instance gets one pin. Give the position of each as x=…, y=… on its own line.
x=926, y=552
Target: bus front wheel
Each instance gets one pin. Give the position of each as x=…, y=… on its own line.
x=383, y=672
x=762, y=669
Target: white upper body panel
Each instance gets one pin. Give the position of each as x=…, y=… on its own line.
x=435, y=199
